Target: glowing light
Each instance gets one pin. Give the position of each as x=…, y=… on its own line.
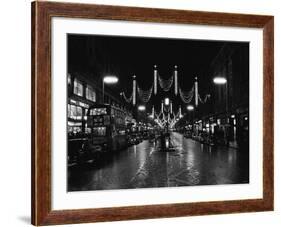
x=220, y=80
x=110, y=79
x=141, y=108
x=167, y=101
x=190, y=107
x=167, y=143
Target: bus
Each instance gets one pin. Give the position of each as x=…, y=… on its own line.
x=107, y=130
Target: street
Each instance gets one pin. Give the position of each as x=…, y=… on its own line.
x=145, y=165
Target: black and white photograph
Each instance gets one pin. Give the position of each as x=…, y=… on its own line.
x=146, y=112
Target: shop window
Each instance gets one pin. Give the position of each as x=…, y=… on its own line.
x=98, y=111
x=78, y=113
x=74, y=112
x=74, y=127
x=99, y=131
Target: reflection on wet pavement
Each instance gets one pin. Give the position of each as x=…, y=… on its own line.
x=145, y=166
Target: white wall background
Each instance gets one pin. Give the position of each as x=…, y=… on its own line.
x=15, y=112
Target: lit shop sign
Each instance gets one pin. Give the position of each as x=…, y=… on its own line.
x=77, y=103
x=97, y=121
x=69, y=123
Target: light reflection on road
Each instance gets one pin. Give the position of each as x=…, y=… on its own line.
x=145, y=165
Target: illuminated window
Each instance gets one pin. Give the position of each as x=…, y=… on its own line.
x=74, y=127
x=74, y=112
x=78, y=113
x=99, y=131
x=83, y=104
x=68, y=110
x=78, y=88
x=98, y=111
x=90, y=93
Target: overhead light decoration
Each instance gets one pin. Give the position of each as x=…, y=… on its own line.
x=167, y=101
x=141, y=108
x=190, y=107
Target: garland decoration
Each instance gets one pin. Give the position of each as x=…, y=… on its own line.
x=186, y=97
x=165, y=84
x=128, y=100
x=145, y=95
x=207, y=97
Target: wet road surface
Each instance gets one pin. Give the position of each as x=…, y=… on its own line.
x=146, y=166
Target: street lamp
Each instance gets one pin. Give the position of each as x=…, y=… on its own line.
x=190, y=107
x=141, y=108
x=219, y=80
x=167, y=101
x=108, y=80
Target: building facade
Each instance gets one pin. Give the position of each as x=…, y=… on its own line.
x=226, y=114
x=82, y=93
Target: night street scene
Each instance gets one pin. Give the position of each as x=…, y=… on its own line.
x=156, y=112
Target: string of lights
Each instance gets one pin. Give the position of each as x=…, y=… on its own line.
x=165, y=84
x=128, y=100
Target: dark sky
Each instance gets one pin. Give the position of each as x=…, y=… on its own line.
x=126, y=56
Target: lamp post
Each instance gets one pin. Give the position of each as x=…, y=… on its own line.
x=222, y=81
x=108, y=80
x=141, y=113
x=190, y=108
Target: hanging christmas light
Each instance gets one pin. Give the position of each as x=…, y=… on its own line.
x=180, y=115
x=186, y=97
x=134, y=90
x=128, y=100
x=205, y=98
x=155, y=79
x=196, y=91
x=165, y=84
x=144, y=95
x=176, y=80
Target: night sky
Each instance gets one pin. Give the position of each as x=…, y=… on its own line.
x=126, y=56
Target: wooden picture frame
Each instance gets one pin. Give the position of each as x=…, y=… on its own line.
x=42, y=12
